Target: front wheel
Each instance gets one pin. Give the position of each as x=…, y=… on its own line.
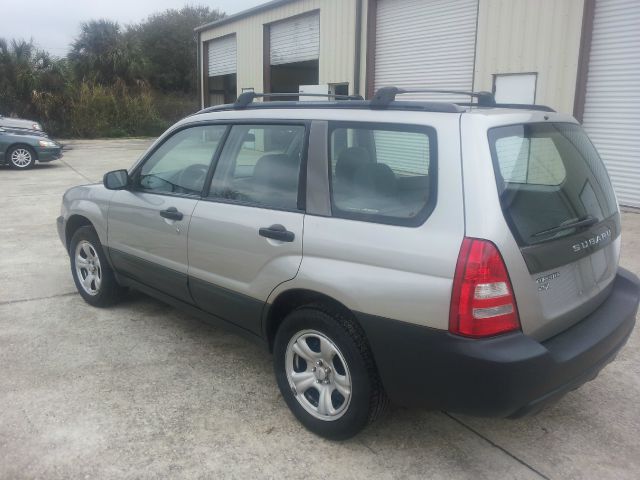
x=325, y=372
x=91, y=271
x=21, y=158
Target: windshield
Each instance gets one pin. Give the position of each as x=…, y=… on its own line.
x=551, y=181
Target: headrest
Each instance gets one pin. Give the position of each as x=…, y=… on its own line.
x=349, y=161
x=376, y=177
x=276, y=169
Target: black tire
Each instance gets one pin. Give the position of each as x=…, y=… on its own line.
x=108, y=292
x=368, y=400
x=18, y=148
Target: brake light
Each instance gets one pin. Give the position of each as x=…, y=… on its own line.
x=482, y=301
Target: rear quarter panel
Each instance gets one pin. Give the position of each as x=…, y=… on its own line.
x=397, y=272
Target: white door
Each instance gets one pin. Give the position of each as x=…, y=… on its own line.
x=313, y=89
x=612, y=106
x=295, y=40
x=515, y=88
x=427, y=44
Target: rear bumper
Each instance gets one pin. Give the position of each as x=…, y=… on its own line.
x=505, y=376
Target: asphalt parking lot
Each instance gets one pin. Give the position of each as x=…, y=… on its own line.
x=141, y=390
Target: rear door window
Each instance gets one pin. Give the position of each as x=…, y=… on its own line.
x=383, y=173
x=549, y=178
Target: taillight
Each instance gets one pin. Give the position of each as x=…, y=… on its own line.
x=482, y=301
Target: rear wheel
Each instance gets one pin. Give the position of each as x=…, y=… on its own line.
x=91, y=271
x=326, y=373
x=21, y=157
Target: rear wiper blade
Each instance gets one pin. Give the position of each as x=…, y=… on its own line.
x=583, y=222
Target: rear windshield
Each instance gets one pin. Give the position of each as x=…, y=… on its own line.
x=549, y=177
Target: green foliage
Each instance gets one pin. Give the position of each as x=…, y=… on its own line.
x=169, y=44
x=23, y=70
x=114, y=82
x=104, y=55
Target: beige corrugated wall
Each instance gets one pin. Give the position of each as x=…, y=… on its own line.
x=514, y=36
x=337, y=40
x=519, y=36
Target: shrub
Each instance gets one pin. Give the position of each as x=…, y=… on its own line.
x=113, y=111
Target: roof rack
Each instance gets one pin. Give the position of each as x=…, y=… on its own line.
x=385, y=98
x=246, y=98
x=516, y=106
x=443, y=107
x=386, y=95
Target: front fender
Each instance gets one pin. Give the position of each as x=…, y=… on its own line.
x=90, y=202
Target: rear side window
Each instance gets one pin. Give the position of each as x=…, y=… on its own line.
x=549, y=175
x=382, y=173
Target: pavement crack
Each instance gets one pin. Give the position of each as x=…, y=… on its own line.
x=77, y=171
x=22, y=300
x=368, y=447
x=493, y=444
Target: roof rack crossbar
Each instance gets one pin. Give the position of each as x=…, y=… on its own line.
x=246, y=98
x=385, y=95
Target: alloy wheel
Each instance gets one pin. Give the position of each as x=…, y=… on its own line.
x=88, y=268
x=21, y=157
x=318, y=375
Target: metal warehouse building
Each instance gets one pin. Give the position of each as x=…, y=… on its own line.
x=580, y=56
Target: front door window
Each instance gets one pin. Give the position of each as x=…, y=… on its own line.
x=180, y=165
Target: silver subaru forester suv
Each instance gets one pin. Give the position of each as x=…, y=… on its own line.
x=461, y=257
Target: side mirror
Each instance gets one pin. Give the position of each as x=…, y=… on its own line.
x=116, y=180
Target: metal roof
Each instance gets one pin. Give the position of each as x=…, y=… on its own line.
x=245, y=13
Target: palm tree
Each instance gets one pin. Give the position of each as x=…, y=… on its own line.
x=102, y=54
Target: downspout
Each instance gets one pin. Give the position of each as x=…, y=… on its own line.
x=358, y=43
x=199, y=72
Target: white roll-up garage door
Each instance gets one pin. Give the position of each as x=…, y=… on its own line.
x=295, y=40
x=222, y=56
x=612, y=106
x=427, y=44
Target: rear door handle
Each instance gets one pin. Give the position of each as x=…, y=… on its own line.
x=171, y=213
x=277, y=232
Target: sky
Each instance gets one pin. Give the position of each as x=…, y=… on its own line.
x=53, y=24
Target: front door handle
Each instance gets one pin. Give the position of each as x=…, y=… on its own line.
x=277, y=232
x=171, y=213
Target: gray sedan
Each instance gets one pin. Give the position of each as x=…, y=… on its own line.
x=20, y=150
